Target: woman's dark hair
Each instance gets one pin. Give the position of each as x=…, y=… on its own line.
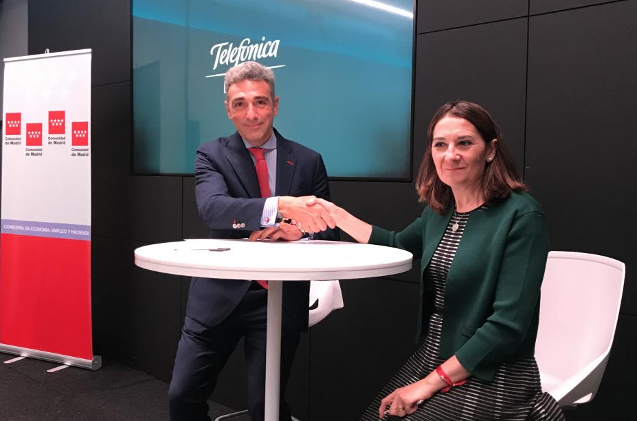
x=500, y=176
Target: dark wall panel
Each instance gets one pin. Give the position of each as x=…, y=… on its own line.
x=484, y=64
x=103, y=26
x=143, y=208
x=436, y=15
x=111, y=41
x=49, y=19
x=146, y=209
x=111, y=131
x=545, y=6
x=154, y=210
x=357, y=349
x=136, y=313
x=193, y=225
x=111, y=139
x=580, y=132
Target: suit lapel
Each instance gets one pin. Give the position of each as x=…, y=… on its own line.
x=239, y=157
x=285, y=165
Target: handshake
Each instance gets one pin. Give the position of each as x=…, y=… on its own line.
x=306, y=214
x=309, y=213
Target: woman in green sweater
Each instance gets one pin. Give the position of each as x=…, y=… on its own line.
x=483, y=246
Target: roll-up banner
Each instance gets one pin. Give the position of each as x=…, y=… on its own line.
x=45, y=238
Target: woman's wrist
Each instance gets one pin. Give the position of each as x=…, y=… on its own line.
x=434, y=381
x=341, y=216
x=449, y=383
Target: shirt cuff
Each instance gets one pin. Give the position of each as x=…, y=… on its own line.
x=270, y=209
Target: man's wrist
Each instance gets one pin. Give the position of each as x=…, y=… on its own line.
x=270, y=212
x=281, y=204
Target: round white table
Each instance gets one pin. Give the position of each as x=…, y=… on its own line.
x=274, y=261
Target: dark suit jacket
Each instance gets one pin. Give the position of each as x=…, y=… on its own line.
x=227, y=193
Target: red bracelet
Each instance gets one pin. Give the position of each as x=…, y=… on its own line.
x=447, y=379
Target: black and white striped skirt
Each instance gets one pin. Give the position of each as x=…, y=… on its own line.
x=514, y=394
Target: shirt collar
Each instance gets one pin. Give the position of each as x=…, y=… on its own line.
x=269, y=144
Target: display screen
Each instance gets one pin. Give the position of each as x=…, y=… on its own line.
x=343, y=73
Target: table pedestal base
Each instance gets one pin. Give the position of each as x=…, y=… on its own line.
x=273, y=351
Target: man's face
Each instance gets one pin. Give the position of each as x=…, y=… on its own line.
x=250, y=107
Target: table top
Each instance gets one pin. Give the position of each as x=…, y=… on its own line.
x=273, y=260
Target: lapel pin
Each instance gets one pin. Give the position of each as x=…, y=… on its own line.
x=290, y=162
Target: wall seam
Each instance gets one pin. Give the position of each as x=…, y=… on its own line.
x=526, y=89
x=525, y=16
x=111, y=83
x=586, y=6
x=182, y=310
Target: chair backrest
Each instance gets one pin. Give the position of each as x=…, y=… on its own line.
x=579, y=308
x=325, y=297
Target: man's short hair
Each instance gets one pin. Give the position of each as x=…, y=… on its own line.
x=249, y=70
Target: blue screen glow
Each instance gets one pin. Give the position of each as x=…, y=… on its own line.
x=343, y=74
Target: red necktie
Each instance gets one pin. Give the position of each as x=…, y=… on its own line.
x=264, y=185
x=262, y=170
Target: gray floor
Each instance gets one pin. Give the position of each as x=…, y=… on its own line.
x=113, y=393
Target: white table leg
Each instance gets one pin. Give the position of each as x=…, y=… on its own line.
x=273, y=352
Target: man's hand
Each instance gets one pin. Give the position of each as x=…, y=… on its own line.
x=284, y=231
x=308, y=216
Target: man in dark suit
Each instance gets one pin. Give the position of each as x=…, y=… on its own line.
x=245, y=185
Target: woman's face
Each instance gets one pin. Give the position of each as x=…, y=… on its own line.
x=460, y=154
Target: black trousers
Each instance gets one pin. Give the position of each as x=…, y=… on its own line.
x=204, y=350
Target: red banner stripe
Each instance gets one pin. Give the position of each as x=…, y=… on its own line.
x=45, y=294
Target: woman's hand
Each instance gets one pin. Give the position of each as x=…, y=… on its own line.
x=359, y=230
x=405, y=400
x=334, y=211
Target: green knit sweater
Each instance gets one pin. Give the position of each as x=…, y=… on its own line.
x=492, y=294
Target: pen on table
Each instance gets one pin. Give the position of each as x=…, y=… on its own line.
x=206, y=248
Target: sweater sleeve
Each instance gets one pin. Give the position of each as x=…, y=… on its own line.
x=516, y=298
x=409, y=239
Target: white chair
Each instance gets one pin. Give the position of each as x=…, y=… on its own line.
x=325, y=297
x=579, y=307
